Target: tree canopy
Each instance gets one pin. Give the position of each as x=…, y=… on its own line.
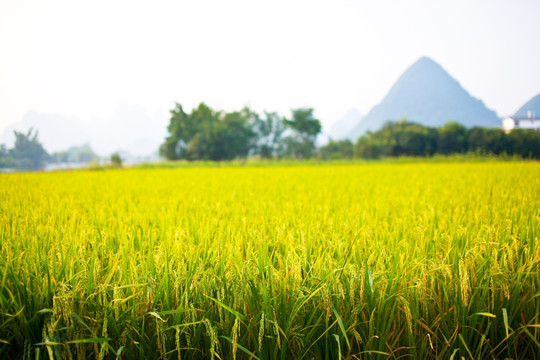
x=411, y=139
x=206, y=134
x=26, y=154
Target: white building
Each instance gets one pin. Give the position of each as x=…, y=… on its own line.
x=530, y=122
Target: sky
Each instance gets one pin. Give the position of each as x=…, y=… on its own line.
x=81, y=58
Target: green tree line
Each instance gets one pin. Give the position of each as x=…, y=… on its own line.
x=75, y=154
x=404, y=138
x=206, y=134
x=29, y=154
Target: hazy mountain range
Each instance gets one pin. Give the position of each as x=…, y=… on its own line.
x=340, y=128
x=424, y=93
x=532, y=105
x=129, y=130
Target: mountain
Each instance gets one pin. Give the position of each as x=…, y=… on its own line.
x=427, y=94
x=129, y=129
x=341, y=128
x=532, y=105
x=56, y=132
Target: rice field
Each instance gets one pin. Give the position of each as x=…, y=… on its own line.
x=357, y=261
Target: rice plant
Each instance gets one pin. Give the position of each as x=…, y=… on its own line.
x=359, y=261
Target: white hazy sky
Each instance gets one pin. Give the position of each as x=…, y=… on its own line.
x=82, y=58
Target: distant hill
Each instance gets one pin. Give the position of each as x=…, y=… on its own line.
x=531, y=105
x=56, y=132
x=130, y=129
x=427, y=94
x=341, y=128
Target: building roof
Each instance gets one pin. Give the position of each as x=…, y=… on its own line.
x=522, y=118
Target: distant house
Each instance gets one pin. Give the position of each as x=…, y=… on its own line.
x=530, y=122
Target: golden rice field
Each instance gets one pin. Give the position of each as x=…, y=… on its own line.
x=357, y=261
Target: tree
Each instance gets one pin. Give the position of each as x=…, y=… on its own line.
x=452, y=138
x=59, y=157
x=198, y=135
x=485, y=140
x=116, y=160
x=306, y=128
x=235, y=135
x=268, y=133
x=6, y=161
x=179, y=131
x=367, y=146
x=342, y=149
x=397, y=139
x=84, y=153
x=411, y=139
x=28, y=153
x=406, y=138
x=205, y=134
x=525, y=143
